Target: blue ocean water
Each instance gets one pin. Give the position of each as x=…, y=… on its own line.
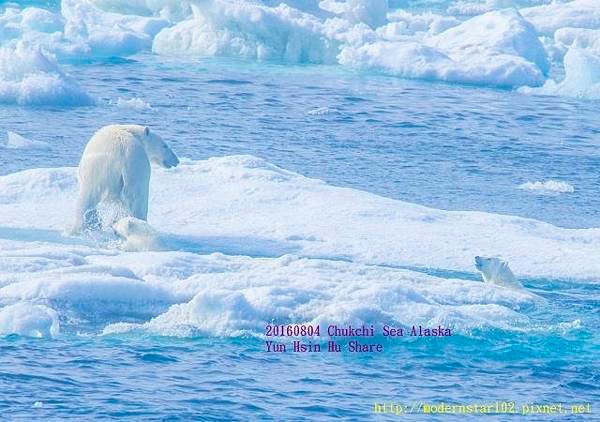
x=444, y=146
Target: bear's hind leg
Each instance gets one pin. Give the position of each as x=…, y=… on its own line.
x=136, y=205
x=135, y=196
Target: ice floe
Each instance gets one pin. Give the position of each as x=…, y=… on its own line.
x=548, y=186
x=582, y=77
x=499, y=43
x=562, y=14
x=134, y=103
x=100, y=33
x=498, y=48
x=250, y=31
x=241, y=242
x=16, y=141
x=30, y=320
x=29, y=76
x=371, y=12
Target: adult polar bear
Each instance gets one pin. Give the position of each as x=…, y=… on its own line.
x=115, y=167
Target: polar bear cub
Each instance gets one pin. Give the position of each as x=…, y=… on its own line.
x=137, y=234
x=115, y=167
x=496, y=271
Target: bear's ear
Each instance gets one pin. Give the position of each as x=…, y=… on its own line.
x=146, y=131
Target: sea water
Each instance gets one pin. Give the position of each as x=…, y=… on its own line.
x=446, y=146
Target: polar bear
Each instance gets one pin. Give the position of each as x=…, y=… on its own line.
x=137, y=234
x=496, y=271
x=115, y=167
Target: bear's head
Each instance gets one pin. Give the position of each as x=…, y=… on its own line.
x=484, y=264
x=137, y=234
x=158, y=151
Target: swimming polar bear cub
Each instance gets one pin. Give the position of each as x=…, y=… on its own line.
x=115, y=167
x=496, y=271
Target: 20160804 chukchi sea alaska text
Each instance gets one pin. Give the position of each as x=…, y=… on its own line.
x=333, y=332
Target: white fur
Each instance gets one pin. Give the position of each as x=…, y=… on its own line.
x=496, y=271
x=138, y=235
x=115, y=167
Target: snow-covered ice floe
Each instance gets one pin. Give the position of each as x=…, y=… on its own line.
x=247, y=30
x=27, y=319
x=16, y=141
x=28, y=76
x=241, y=242
x=499, y=48
x=499, y=43
x=548, y=187
x=134, y=103
x=548, y=18
x=582, y=76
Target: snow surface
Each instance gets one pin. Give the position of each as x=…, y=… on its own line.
x=578, y=37
x=500, y=33
x=241, y=241
x=371, y=12
x=562, y=14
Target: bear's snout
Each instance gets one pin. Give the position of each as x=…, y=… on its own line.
x=478, y=262
x=170, y=162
